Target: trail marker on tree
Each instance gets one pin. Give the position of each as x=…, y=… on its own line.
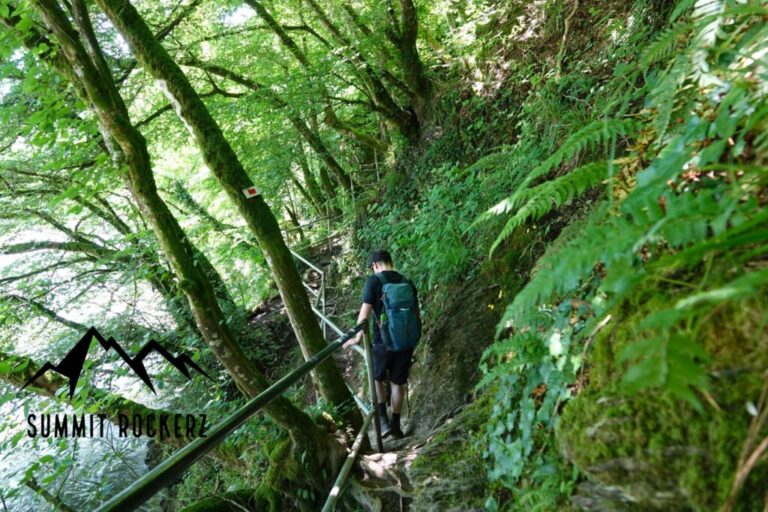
x=250, y=192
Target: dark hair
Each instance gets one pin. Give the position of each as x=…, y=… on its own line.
x=379, y=255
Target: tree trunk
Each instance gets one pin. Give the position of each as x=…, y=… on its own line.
x=106, y=102
x=325, y=179
x=403, y=35
x=313, y=189
x=319, y=147
x=225, y=165
x=295, y=221
x=316, y=206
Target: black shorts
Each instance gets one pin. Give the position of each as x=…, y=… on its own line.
x=396, y=363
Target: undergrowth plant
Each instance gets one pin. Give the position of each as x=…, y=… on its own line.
x=678, y=154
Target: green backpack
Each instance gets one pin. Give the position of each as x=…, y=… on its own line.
x=399, y=324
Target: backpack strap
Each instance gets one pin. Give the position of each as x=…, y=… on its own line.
x=383, y=280
x=381, y=277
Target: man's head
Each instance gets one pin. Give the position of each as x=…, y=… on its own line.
x=380, y=260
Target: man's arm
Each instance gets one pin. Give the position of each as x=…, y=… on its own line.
x=365, y=312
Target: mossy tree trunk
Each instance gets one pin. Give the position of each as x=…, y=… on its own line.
x=403, y=34
x=131, y=148
x=225, y=165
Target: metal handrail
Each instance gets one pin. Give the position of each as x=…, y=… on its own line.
x=324, y=319
x=371, y=413
x=320, y=294
x=172, y=468
x=168, y=471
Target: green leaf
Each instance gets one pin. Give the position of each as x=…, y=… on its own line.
x=637, y=349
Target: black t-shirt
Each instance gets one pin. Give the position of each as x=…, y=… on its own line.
x=372, y=295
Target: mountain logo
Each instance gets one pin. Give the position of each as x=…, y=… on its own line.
x=72, y=364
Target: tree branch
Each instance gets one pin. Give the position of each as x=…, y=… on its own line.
x=45, y=311
x=47, y=245
x=55, y=501
x=56, y=265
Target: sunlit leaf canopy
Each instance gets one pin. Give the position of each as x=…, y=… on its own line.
x=52, y=133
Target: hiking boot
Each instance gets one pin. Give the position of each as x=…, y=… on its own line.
x=394, y=427
x=385, y=427
x=383, y=419
x=395, y=433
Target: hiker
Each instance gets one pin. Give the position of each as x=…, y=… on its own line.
x=397, y=327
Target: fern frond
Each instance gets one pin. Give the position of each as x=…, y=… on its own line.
x=497, y=160
x=552, y=194
x=563, y=267
x=680, y=8
x=709, y=15
x=588, y=137
x=665, y=45
x=665, y=92
x=672, y=363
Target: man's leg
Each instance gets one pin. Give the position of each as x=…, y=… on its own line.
x=380, y=365
x=397, y=397
x=398, y=376
x=381, y=393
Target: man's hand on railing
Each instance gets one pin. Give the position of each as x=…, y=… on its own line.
x=354, y=341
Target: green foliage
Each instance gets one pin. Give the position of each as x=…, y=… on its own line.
x=529, y=375
x=683, y=199
x=429, y=239
x=658, y=134
x=683, y=175
x=535, y=202
x=427, y=221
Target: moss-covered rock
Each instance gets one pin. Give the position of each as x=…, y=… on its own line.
x=652, y=451
x=448, y=357
x=450, y=473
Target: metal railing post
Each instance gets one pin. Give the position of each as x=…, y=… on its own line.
x=322, y=298
x=372, y=385
x=333, y=497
